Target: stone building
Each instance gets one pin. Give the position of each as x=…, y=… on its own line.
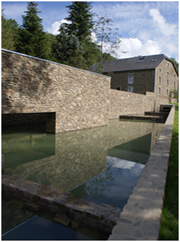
x=154, y=73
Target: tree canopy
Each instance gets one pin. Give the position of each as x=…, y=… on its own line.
x=8, y=33
x=81, y=20
x=32, y=40
x=72, y=46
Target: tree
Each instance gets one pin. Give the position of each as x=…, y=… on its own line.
x=175, y=63
x=67, y=47
x=32, y=39
x=107, y=38
x=9, y=28
x=81, y=20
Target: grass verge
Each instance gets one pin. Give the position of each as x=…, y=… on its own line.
x=169, y=220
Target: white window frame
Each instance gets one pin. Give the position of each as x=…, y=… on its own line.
x=130, y=88
x=130, y=77
x=159, y=90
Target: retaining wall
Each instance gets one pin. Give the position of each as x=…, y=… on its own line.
x=123, y=103
x=71, y=98
x=74, y=98
x=141, y=216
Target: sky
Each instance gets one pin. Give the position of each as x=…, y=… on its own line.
x=144, y=27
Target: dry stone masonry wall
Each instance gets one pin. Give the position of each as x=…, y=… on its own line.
x=79, y=98
x=124, y=103
x=69, y=98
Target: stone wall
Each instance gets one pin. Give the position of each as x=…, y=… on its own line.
x=143, y=81
x=169, y=79
x=76, y=98
x=72, y=99
x=124, y=103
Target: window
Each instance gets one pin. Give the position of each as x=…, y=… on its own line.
x=130, y=89
x=157, y=133
x=159, y=80
x=153, y=59
x=174, y=84
x=167, y=64
x=167, y=73
x=174, y=75
x=167, y=92
x=159, y=91
x=118, y=88
x=159, y=69
x=130, y=77
x=167, y=82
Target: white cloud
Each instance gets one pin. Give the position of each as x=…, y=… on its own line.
x=133, y=47
x=93, y=37
x=165, y=28
x=55, y=26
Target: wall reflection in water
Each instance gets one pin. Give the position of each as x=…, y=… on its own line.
x=68, y=159
x=102, y=164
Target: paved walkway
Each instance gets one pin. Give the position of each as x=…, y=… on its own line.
x=141, y=216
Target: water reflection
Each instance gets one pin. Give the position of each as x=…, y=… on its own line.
x=68, y=159
x=102, y=164
x=114, y=185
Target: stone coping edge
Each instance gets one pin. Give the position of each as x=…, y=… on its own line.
x=141, y=216
x=36, y=58
x=61, y=204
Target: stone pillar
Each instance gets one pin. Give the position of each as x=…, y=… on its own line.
x=51, y=123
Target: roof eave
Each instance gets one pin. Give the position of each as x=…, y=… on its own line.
x=146, y=69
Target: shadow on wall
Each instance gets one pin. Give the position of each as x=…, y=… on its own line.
x=24, y=80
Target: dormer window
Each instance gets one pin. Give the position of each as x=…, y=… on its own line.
x=153, y=59
x=141, y=58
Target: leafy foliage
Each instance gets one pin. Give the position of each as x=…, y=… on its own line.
x=108, y=38
x=32, y=40
x=9, y=30
x=81, y=20
x=72, y=46
x=176, y=64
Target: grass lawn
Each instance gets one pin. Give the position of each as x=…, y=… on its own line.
x=169, y=221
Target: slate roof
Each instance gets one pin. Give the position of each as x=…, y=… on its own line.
x=132, y=64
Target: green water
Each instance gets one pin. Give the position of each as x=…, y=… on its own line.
x=101, y=164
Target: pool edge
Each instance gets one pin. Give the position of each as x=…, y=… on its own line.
x=141, y=216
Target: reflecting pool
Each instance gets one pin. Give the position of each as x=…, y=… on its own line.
x=102, y=164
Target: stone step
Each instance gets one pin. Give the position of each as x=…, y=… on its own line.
x=153, y=119
x=164, y=114
x=61, y=203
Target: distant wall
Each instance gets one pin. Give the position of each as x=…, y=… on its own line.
x=68, y=98
x=74, y=98
x=123, y=103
